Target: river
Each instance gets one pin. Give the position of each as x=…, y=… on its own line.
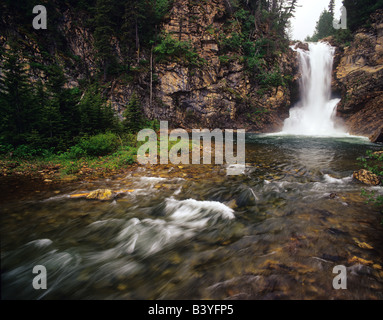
x=192, y=232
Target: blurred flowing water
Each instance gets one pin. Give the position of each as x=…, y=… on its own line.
x=315, y=113
x=192, y=232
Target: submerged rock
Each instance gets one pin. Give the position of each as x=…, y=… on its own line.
x=366, y=177
x=101, y=194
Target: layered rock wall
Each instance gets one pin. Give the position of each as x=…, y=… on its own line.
x=217, y=94
x=359, y=79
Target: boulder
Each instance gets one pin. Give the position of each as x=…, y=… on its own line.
x=302, y=46
x=377, y=137
x=101, y=194
x=366, y=177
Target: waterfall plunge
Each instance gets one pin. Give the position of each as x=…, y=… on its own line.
x=314, y=115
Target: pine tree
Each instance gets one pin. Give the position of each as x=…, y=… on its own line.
x=323, y=27
x=103, y=34
x=358, y=12
x=94, y=114
x=133, y=115
x=50, y=122
x=64, y=102
x=18, y=113
x=331, y=7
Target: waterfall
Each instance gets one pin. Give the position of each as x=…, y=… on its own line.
x=314, y=114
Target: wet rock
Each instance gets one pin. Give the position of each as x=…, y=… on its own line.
x=232, y=204
x=359, y=268
x=246, y=198
x=302, y=45
x=101, y=194
x=362, y=245
x=336, y=231
x=377, y=266
x=358, y=260
x=377, y=137
x=69, y=178
x=366, y=177
x=332, y=258
x=79, y=195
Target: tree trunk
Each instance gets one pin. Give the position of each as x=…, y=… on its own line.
x=137, y=42
x=151, y=77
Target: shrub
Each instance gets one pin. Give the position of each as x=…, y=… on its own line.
x=170, y=48
x=373, y=162
x=126, y=155
x=99, y=145
x=26, y=152
x=343, y=37
x=5, y=148
x=75, y=152
x=94, y=146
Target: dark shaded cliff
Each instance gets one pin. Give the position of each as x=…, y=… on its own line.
x=191, y=72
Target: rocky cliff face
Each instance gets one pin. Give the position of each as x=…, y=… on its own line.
x=218, y=94
x=358, y=77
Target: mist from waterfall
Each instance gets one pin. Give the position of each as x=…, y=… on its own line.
x=314, y=114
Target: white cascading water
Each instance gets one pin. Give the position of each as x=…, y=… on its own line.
x=314, y=115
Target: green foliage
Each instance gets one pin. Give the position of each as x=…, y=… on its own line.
x=373, y=162
x=94, y=146
x=126, y=155
x=47, y=115
x=272, y=79
x=96, y=115
x=170, y=48
x=26, y=152
x=343, y=37
x=324, y=27
x=99, y=145
x=18, y=107
x=358, y=12
x=75, y=152
x=258, y=49
x=373, y=198
x=103, y=33
x=134, y=119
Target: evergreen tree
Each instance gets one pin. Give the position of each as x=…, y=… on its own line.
x=358, y=12
x=18, y=112
x=51, y=119
x=323, y=27
x=103, y=33
x=133, y=115
x=331, y=7
x=62, y=101
x=94, y=114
